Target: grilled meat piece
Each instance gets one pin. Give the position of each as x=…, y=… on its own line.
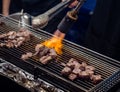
x=76, y=71
x=44, y=52
x=38, y=47
x=90, y=72
x=15, y=39
x=88, y=67
x=45, y=59
x=96, y=78
x=84, y=64
x=2, y=44
x=72, y=76
x=66, y=71
x=2, y=36
x=53, y=53
x=82, y=68
x=71, y=65
x=84, y=75
x=26, y=56
x=71, y=60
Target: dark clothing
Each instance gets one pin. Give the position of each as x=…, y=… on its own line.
x=33, y=7
x=37, y=7
x=104, y=31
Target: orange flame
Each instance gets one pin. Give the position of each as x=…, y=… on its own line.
x=55, y=43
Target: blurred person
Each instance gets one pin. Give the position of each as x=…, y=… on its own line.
x=34, y=8
x=103, y=34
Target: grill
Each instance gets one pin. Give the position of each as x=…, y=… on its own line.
x=105, y=66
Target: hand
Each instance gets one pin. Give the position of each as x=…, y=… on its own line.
x=73, y=4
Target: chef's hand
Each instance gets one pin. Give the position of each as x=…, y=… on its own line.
x=73, y=4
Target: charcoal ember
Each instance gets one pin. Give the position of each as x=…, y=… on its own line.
x=90, y=72
x=45, y=59
x=96, y=78
x=88, y=67
x=26, y=56
x=84, y=75
x=72, y=76
x=53, y=53
x=76, y=71
x=66, y=70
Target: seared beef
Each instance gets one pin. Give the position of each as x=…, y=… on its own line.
x=84, y=75
x=43, y=54
x=96, y=78
x=15, y=39
x=66, y=71
x=75, y=69
x=72, y=76
x=88, y=67
x=26, y=56
x=45, y=59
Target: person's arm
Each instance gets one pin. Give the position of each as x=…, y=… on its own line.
x=5, y=7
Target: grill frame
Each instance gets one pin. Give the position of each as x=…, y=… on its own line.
x=112, y=79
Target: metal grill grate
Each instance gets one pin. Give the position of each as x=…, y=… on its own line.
x=105, y=66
